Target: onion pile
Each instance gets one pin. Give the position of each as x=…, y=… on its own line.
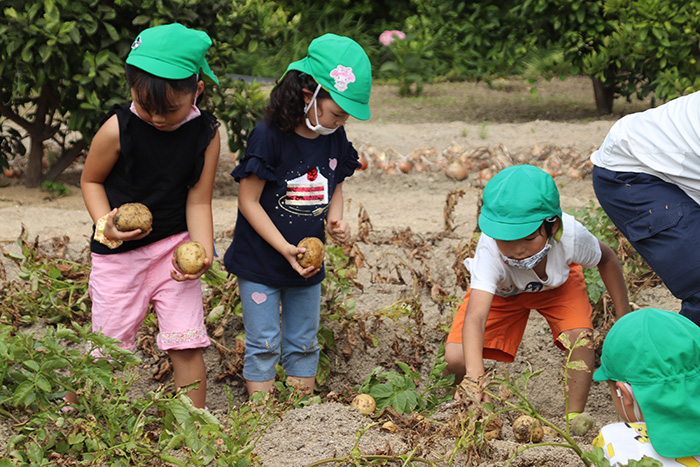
x=459, y=163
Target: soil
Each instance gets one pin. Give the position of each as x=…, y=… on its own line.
x=410, y=230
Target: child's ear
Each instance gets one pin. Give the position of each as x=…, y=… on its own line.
x=556, y=229
x=624, y=393
x=557, y=225
x=308, y=95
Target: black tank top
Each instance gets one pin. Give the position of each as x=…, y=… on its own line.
x=156, y=168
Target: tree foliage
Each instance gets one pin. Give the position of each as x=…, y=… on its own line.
x=654, y=47
x=61, y=61
x=62, y=68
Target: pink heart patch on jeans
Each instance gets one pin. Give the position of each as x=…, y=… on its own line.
x=258, y=297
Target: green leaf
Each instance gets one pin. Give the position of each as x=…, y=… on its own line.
x=111, y=31
x=43, y=384
x=102, y=57
x=27, y=52
x=578, y=365
x=399, y=402
x=22, y=391
x=141, y=20
x=76, y=438
x=31, y=365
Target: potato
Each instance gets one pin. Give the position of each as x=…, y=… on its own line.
x=315, y=251
x=390, y=427
x=581, y=424
x=189, y=257
x=364, y=403
x=132, y=216
x=527, y=429
x=492, y=430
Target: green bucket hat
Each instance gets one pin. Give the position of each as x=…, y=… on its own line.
x=172, y=51
x=516, y=202
x=342, y=67
x=658, y=353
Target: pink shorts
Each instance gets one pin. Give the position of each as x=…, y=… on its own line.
x=566, y=307
x=122, y=285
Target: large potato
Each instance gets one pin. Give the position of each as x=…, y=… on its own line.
x=364, y=403
x=527, y=429
x=189, y=257
x=132, y=216
x=315, y=251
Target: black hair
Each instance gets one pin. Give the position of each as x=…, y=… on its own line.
x=548, y=225
x=286, y=107
x=153, y=93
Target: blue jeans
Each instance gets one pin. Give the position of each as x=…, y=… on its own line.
x=280, y=322
x=662, y=223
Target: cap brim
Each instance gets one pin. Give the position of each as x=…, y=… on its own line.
x=166, y=70
x=507, y=232
x=157, y=67
x=206, y=70
x=600, y=375
x=672, y=415
x=356, y=109
x=299, y=65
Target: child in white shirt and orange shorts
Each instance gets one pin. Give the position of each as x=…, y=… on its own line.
x=530, y=256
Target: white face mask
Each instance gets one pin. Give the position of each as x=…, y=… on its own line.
x=318, y=128
x=527, y=263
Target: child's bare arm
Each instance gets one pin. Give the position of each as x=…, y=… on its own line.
x=473, y=334
x=611, y=273
x=336, y=226
x=103, y=154
x=198, y=211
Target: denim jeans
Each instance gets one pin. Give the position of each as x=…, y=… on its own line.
x=662, y=223
x=280, y=326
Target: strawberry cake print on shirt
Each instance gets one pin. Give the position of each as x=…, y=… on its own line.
x=307, y=191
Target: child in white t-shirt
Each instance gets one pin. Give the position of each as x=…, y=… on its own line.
x=651, y=361
x=529, y=256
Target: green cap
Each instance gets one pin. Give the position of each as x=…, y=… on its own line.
x=658, y=353
x=516, y=202
x=342, y=67
x=172, y=51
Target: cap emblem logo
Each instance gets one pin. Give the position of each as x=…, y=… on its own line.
x=342, y=76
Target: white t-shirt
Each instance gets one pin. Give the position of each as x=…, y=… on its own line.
x=624, y=442
x=490, y=274
x=663, y=141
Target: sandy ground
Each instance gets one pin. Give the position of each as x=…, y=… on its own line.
x=410, y=206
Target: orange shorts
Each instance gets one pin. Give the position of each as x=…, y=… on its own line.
x=566, y=307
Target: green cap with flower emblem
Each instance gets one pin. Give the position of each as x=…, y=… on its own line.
x=516, y=202
x=172, y=51
x=340, y=66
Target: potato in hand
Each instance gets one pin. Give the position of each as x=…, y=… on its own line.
x=313, y=256
x=132, y=216
x=189, y=257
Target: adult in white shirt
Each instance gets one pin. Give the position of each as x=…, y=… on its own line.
x=646, y=176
